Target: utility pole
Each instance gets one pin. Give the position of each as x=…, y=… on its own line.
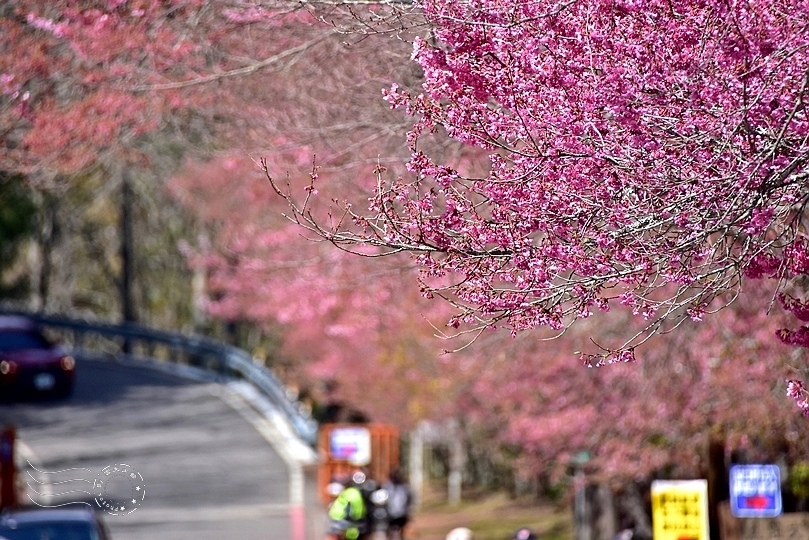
x=127, y=255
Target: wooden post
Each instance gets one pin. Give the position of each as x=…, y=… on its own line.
x=718, y=483
x=8, y=471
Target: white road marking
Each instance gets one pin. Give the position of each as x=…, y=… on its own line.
x=293, y=452
x=213, y=513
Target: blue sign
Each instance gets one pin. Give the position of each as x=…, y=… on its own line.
x=755, y=491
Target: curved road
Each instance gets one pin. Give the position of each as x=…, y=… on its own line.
x=204, y=454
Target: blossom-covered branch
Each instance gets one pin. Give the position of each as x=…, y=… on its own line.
x=652, y=157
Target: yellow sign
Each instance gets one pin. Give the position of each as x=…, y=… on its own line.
x=680, y=509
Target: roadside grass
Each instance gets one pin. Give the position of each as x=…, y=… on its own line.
x=490, y=517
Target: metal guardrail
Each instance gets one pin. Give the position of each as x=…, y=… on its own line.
x=140, y=342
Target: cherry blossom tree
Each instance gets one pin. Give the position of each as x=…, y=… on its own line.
x=355, y=322
x=89, y=89
x=99, y=90
x=651, y=156
x=84, y=82
x=648, y=417
x=103, y=83
x=708, y=386
x=343, y=319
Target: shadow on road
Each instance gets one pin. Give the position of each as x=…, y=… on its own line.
x=98, y=384
x=103, y=382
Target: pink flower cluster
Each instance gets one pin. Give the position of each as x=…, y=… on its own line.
x=797, y=390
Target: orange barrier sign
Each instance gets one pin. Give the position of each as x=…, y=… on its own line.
x=344, y=447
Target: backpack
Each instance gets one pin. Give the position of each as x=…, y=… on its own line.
x=348, y=506
x=398, y=501
x=348, y=514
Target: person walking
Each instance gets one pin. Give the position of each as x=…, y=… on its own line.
x=348, y=513
x=399, y=505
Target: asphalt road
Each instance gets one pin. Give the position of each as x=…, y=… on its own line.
x=201, y=455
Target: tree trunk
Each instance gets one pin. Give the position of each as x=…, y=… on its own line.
x=635, y=513
x=127, y=256
x=582, y=509
x=604, y=513
x=456, y=464
x=718, y=483
x=127, y=249
x=416, y=465
x=48, y=234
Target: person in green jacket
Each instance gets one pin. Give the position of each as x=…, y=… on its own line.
x=348, y=513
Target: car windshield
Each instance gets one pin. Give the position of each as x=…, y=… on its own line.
x=55, y=530
x=15, y=340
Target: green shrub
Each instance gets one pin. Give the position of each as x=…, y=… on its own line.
x=799, y=480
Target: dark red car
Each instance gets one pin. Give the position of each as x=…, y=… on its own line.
x=30, y=364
